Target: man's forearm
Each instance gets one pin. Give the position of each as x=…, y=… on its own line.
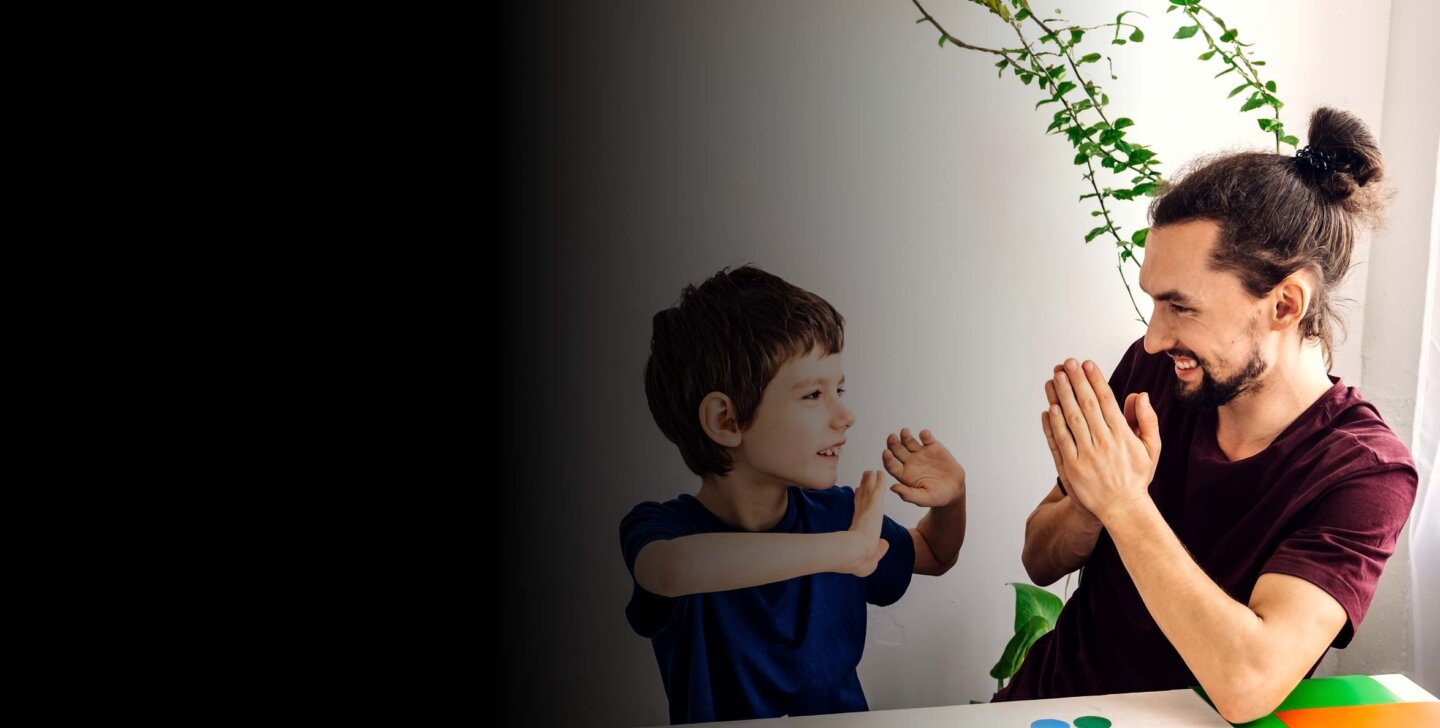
x=713, y=562
x=1220, y=639
x=1059, y=538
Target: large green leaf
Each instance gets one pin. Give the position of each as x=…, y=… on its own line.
x=1032, y=601
x=1018, y=647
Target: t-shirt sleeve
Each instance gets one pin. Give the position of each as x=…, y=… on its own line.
x=647, y=612
x=891, y=577
x=1347, y=536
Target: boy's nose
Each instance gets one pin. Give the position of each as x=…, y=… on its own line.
x=844, y=417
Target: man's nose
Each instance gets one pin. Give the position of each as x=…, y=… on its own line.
x=1157, y=335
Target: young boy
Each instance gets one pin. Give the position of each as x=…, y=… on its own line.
x=753, y=591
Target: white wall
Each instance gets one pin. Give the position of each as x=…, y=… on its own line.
x=1395, y=309
x=834, y=144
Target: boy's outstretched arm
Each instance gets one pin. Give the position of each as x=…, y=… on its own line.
x=712, y=562
x=929, y=476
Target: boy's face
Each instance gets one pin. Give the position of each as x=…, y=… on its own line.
x=800, y=425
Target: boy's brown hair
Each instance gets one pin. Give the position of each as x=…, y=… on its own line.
x=730, y=335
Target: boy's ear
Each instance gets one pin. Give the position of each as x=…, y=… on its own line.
x=717, y=418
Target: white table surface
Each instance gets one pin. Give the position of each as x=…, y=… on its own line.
x=1161, y=709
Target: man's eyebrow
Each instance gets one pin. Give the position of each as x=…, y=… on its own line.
x=1172, y=296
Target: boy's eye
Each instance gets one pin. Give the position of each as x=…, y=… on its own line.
x=813, y=395
x=840, y=392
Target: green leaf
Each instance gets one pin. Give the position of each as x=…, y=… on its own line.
x=1118, y=41
x=1083, y=104
x=1123, y=122
x=1270, y=86
x=1222, y=73
x=1018, y=647
x=1292, y=141
x=1081, y=157
x=1171, y=8
x=1104, y=99
x=1123, y=195
x=1253, y=103
x=1207, y=55
x=1138, y=237
x=1064, y=88
x=1042, y=102
x=1238, y=89
x=1187, y=31
x=1139, y=155
x=1258, y=63
x=1265, y=124
x=1228, y=36
x=995, y=6
x=1097, y=213
x=1088, y=58
x=1147, y=188
x=1110, y=136
x=1026, y=78
x=998, y=64
x=1023, y=14
x=1097, y=232
x=1277, y=103
x=1137, y=36
x=1178, y=2
x=1075, y=36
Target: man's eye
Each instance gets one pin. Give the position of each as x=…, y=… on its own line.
x=1177, y=308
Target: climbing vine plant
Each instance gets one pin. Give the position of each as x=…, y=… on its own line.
x=1060, y=59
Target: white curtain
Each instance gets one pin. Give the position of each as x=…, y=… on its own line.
x=1425, y=529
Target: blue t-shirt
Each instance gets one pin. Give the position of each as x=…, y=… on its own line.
x=786, y=648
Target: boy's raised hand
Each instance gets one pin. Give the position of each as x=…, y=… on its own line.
x=869, y=513
x=929, y=475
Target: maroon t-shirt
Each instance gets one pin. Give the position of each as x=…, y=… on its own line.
x=1324, y=502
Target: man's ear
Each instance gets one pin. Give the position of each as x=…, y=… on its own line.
x=1292, y=298
x=717, y=418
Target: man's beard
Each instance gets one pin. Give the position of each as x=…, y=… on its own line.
x=1211, y=392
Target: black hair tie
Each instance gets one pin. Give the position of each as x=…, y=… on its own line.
x=1319, y=159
